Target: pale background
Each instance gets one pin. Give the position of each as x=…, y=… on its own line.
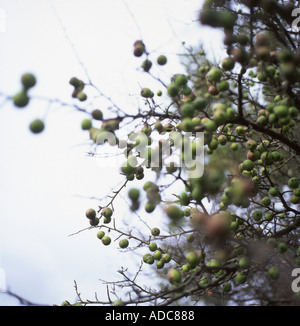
x=46, y=180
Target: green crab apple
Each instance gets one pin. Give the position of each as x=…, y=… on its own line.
x=106, y=240
x=244, y=262
x=157, y=255
x=228, y=63
x=174, y=276
x=21, y=99
x=214, y=75
x=139, y=48
x=134, y=194
x=123, y=243
x=28, y=80
x=81, y=96
x=187, y=110
x=146, y=92
x=107, y=212
x=146, y=65
x=162, y=60
x=148, y=259
x=240, y=278
x=273, y=273
x=155, y=232
x=166, y=258
x=192, y=258
x=152, y=246
x=94, y=222
x=90, y=213
x=160, y=264
x=100, y=234
x=86, y=124
x=37, y=126
x=293, y=182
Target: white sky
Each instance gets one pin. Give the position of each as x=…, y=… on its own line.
x=41, y=175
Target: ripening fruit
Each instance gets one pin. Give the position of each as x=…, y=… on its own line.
x=123, y=243
x=146, y=65
x=174, y=276
x=155, y=232
x=100, y=234
x=200, y=103
x=214, y=75
x=160, y=264
x=240, y=278
x=295, y=199
x=139, y=48
x=157, y=255
x=266, y=201
x=146, y=92
x=90, y=214
x=106, y=240
x=192, y=258
x=106, y=212
x=181, y=80
x=152, y=246
x=150, y=207
x=97, y=114
x=244, y=262
x=94, y=222
x=257, y=215
x=28, y=80
x=21, y=99
x=228, y=63
x=281, y=111
x=187, y=110
x=234, y=146
x=293, y=183
x=273, y=192
x=174, y=212
x=148, y=259
x=251, y=145
x=134, y=194
x=173, y=90
x=166, y=258
x=226, y=287
x=37, y=126
x=81, y=96
x=273, y=273
x=282, y=247
x=162, y=60
x=86, y=124
x=248, y=165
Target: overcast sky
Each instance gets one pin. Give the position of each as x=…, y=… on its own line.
x=46, y=180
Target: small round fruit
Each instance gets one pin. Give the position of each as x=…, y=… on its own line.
x=152, y=246
x=214, y=75
x=192, y=258
x=94, y=222
x=244, y=262
x=97, y=114
x=266, y=201
x=226, y=287
x=293, y=183
x=240, y=278
x=37, y=126
x=173, y=90
x=148, y=259
x=146, y=65
x=174, y=276
x=282, y=247
x=155, y=232
x=90, y=214
x=28, y=80
x=295, y=200
x=86, y=124
x=248, y=165
x=149, y=207
x=21, y=99
x=81, y=96
x=157, y=255
x=100, y=234
x=106, y=212
x=134, y=194
x=273, y=273
x=273, y=192
x=257, y=215
x=160, y=264
x=106, y=240
x=166, y=258
x=123, y=243
x=228, y=63
x=162, y=60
